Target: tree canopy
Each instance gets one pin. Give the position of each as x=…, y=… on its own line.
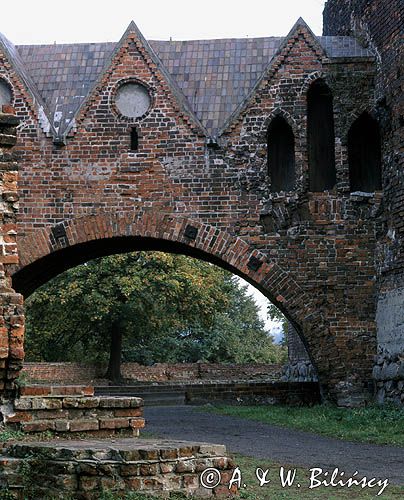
x=147, y=307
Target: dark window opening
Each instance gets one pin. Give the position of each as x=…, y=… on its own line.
x=134, y=139
x=364, y=154
x=320, y=137
x=281, y=155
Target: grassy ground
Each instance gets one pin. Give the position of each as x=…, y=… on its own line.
x=373, y=424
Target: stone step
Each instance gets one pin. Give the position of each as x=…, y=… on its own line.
x=77, y=414
x=83, y=468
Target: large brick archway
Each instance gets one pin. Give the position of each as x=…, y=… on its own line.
x=52, y=250
x=199, y=163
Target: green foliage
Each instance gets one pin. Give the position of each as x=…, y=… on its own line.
x=10, y=435
x=23, y=379
x=372, y=424
x=7, y=495
x=169, y=307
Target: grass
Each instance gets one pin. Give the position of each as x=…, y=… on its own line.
x=373, y=424
x=274, y=489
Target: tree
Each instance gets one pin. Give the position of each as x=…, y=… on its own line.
x=147, y=307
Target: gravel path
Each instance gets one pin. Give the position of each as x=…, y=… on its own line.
x=285, y=446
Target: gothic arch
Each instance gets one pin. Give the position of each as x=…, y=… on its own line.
x=283, y=114
x=52, y=250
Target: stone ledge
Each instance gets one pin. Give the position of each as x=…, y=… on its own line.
x=56, y=390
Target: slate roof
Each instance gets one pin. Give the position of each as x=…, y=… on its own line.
x=215, y=76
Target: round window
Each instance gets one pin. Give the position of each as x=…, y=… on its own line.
x=132, y=100
x=5, y=93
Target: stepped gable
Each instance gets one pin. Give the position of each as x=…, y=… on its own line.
x=215, y=76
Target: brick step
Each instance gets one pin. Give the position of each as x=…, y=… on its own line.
x=242, y=392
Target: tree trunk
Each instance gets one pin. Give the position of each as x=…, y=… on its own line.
x=115, y=354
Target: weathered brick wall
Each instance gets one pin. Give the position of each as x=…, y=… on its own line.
x=314, y=251
x=62, y=373
x=380, y=25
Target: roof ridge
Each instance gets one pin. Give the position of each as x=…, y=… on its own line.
x=210, y=77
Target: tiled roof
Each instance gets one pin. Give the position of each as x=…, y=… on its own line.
x=64, y=74
x=214, y=75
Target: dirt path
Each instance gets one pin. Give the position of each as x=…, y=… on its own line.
x=285, y=446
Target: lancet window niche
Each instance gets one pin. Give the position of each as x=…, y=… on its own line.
x=320, y=137
x=281, y=155
x=364, y=154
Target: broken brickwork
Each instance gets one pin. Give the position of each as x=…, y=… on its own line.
x=196, y=178
x=11, y=303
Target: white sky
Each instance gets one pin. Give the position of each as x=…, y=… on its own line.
x=48, y=21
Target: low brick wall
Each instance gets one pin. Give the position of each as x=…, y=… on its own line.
x=82, y=373
x=83, y=470
x=255, y=393
x=73, y=409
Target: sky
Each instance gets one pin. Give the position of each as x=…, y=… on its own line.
x=49, y=21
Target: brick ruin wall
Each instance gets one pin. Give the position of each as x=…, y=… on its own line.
x=81, y=373
x=380, y=25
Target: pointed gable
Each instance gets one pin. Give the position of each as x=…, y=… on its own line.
x=141, y=63
x=298, y=29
